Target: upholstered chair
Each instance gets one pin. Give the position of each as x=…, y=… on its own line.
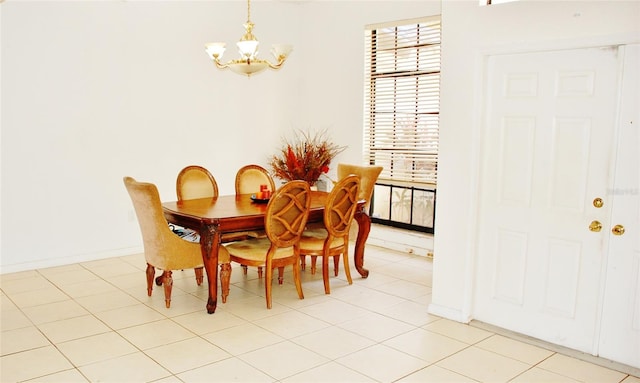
x=285, y=219
x=333, y=240
x=162, y=248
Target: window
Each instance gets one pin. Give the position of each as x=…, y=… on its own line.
x=401, y=118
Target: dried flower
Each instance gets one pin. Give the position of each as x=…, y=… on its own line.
x=305, y=158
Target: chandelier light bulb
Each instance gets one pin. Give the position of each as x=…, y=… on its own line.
x=215, y=50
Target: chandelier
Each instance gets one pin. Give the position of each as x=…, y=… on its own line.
x=248, y=63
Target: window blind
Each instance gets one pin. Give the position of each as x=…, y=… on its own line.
x=402, y=99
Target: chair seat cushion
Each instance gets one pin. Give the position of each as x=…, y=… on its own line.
x=255, y=249
x=318, y=232
x=257, y=234
x=313, y=240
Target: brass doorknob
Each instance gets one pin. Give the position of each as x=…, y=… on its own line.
x=595, y=226
x=597, y=202
x=618, y=230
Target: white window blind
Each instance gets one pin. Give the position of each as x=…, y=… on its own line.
x=402, y=99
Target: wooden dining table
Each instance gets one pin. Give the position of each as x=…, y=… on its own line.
x=212, y=217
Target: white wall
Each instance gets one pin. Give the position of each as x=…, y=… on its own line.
x=469, y=33
x=92, y=91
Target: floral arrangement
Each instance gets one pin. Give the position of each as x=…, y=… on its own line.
x=305, y=158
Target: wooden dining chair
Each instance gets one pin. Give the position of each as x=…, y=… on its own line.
x=195, y=182
x=249, y=178
x=285, y=219
x=333, y=240
x=162, y=248
x=368, y=176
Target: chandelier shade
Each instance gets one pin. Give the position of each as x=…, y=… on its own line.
x=248, y=63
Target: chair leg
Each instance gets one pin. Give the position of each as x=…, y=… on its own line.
x=303, y=262
x=225, y=278
x=325, y=274
x=297, y=281
x=151, y=272
x=168, y=285
x=244, y=271
x=199, y=275
x=267, y=286
x=159, y=279
x=280, y=275
x=347, y=271
x=336, y=265
x=314, y=258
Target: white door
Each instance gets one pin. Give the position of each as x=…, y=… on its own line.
x=620, y=334
x=547, y=155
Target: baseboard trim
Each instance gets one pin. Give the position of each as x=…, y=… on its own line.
x=54, y=262
x=447, y=312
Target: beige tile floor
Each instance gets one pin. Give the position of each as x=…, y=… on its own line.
x=93, y=322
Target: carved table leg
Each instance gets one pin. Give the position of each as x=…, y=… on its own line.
x=209, y=243
x=225, y=280
x=364, y=226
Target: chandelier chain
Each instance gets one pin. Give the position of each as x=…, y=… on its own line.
x=248, y=10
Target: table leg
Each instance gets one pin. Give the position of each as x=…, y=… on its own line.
x=209, y=244
x=364, y=226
